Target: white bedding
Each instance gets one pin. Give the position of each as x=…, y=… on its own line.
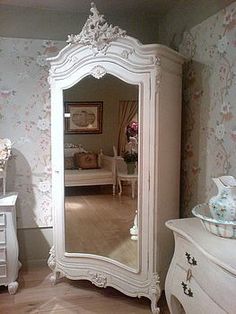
x=86, y=174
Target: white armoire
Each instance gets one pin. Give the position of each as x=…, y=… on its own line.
x=98, y=51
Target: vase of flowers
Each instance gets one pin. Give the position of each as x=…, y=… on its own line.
x=5, y=151
x=130, y=157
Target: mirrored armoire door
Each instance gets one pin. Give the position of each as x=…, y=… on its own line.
x=114, y=102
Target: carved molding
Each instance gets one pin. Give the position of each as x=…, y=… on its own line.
x=98, y=72
x=96, y=33
x=52, y=258
x=98, y=279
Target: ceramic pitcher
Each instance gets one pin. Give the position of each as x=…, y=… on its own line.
x=223, y=205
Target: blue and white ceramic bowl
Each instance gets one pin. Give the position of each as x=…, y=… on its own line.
x=225, y=229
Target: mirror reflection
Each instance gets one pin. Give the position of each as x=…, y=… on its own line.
x=101, y=169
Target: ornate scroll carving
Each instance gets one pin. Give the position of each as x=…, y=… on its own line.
x=98, y=72
x=125, y=53
x=52, y=258
x=98, y=279
x=96, y=33
x=155, y=293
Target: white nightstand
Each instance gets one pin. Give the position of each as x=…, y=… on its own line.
x=202, y=274
x=9, y=264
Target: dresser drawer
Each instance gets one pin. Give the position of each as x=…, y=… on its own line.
x=193, y=298
x=2, y=255
x=2, y=236
x=208, y=275
x=3, y=271
x=2, y=220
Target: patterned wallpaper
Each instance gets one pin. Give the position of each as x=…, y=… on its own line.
x=209, y=108
x=209, y=124
x=25, y=119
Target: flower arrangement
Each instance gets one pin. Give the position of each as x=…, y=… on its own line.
x=130, y=156
x=132, y=130
x=5, y=151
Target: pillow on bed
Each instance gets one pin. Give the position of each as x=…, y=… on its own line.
x=69, y=163
x=86, y=160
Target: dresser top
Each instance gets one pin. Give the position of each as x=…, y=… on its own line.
x=219, y=250
x=9, y=199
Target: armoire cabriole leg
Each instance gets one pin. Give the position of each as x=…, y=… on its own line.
x=155, y=293
x=155, y=309
x=52, y=264
x=54, y=277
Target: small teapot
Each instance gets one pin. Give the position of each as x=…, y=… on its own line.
x=223, y=205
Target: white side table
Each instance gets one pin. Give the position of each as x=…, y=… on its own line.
x=9, y=264
x=202, y=274
x=132, y=178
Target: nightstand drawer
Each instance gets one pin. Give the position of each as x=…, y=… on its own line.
x=2, y=236
x=2, y=220
x=193, y=298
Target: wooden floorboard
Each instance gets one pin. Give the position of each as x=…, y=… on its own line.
x=99, y=223
x=37, y=295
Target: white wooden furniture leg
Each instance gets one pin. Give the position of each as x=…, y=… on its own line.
x=120, y=186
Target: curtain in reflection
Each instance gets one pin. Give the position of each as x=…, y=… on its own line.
x=127, y=110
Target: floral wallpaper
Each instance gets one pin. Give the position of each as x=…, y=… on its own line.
x=209, y=107
x=25, y=120
x=209, y=111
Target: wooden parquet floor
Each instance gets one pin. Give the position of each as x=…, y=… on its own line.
x=36, y=295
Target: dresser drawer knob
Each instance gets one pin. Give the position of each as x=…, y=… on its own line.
x=187, y=290
x=191, y=260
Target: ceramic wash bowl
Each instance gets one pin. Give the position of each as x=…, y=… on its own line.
x=225, y=229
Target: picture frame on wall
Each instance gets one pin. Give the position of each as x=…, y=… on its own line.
x=83, y=117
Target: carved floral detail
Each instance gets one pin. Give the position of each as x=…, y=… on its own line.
x=98, y=72
x=52, y=258
x=96, y=33
x=98, y=279
x=125, y=53
x=157, y=60
x=155, y=285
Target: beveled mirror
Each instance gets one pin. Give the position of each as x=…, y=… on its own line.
x=99, y=214
x=111, y=94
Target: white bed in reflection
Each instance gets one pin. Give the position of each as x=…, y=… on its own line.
x=105, y=174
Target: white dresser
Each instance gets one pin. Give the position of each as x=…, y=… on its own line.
x=202, y=275
x=9, y=264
